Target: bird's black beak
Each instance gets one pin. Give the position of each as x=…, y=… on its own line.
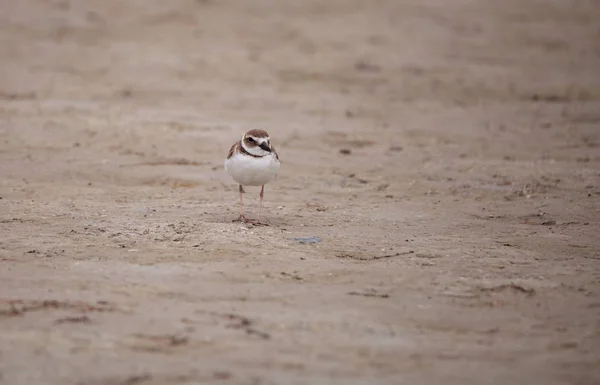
x=265, y=147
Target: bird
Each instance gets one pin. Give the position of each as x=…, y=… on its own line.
x=252, y=161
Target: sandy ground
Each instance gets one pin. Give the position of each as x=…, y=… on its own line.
x=445, y=153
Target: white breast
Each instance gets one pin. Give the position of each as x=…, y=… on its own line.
x=252, y=171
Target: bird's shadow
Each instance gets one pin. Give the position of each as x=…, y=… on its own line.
x=230, y=217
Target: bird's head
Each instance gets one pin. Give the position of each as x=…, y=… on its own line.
x=257, y=142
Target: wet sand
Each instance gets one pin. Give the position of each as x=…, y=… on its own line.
x=445, y=154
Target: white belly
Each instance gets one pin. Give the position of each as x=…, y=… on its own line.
x=250, y=171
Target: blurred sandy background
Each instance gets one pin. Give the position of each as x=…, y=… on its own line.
x=446, y=153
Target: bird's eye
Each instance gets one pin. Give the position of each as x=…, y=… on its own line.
x=250, y=140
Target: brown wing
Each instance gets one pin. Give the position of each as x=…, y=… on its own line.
x=275, y=152
x=232, y=149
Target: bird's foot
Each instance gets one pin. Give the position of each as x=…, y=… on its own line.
x=245, y=219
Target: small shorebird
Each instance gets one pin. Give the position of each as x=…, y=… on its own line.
x=252, y=161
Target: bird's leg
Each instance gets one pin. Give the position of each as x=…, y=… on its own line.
x=241, y=201
x=261, y=195
x=242, y=218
